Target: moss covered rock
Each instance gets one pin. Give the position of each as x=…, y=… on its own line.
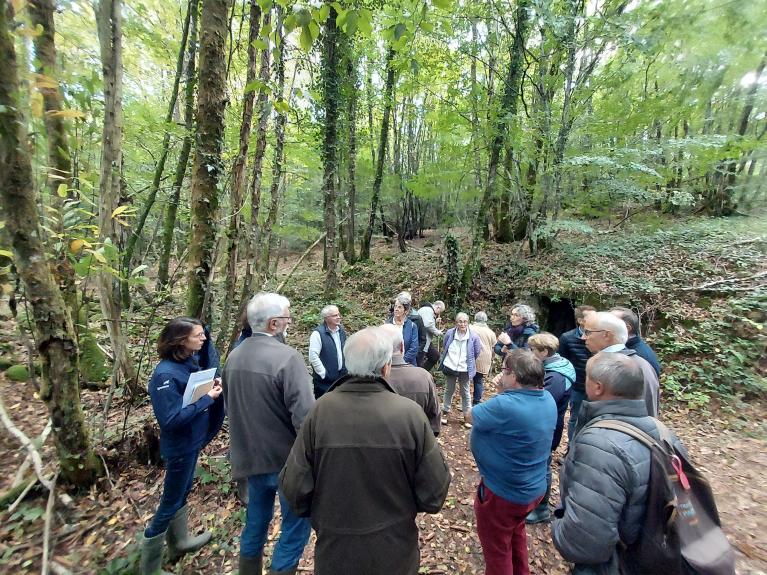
x=17, y=373
x=94, y=366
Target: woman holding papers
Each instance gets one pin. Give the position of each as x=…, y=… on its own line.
x=188, y=421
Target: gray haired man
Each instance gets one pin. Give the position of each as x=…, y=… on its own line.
x=603, y=331
x=430, y=314
x=326, y=355
x=364, y=464
x=267, y=394
x=605, y=478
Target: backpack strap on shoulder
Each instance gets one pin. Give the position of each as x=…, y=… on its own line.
x=628, y=429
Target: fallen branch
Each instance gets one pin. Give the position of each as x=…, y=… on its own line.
x=21, y=473
x=21, y=495
x=47, y=526
x=725, y=281
x=37, y=461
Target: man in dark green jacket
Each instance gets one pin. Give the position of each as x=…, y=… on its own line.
x=365, y=462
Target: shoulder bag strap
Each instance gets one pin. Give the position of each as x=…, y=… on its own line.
x=628, y=429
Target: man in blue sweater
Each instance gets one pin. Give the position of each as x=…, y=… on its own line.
x=511, y=442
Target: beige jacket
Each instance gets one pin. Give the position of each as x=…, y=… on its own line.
x=487, y=337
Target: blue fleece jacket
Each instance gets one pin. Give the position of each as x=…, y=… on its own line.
x=188, y=429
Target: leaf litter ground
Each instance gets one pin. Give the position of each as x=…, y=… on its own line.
x=95, y=532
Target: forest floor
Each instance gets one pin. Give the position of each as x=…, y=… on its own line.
x=96, y=531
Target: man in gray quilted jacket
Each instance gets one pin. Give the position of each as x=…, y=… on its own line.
x=603, y=483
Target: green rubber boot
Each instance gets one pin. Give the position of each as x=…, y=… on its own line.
x=151, y=555
x=179, y=540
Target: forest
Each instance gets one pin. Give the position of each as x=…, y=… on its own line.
x=168, y=158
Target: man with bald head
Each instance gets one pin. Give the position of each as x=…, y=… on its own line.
x=410, y=381
x=364, y=464
x=603, y=331
x=605, y=478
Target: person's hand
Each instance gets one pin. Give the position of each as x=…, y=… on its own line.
x=216, y=390
x=504, y=338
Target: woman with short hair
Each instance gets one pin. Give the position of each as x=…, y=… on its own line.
x=519, y=329
x=184, y=432
x=558, y=380
x=459, y=364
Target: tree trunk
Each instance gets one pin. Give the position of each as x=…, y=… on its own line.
x=279, y=155
x=59, y=161
x=330, y=96
x=252, y=235
x=169, y=221
x=234, y=230
x=54, y=332
x=351, y=198
x=138, y=227
x=207, y=168
x=388, y=90
x=507, y=112
x=109, y=24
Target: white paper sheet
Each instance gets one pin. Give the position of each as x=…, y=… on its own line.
x=195, y=379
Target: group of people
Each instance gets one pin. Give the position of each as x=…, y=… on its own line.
x=351, y=450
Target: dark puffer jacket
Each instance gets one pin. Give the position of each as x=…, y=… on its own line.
x=520, y=341
x=572, y=347
x=644, y=351
x=604, y=487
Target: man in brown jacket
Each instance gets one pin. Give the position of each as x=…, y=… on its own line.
x=410, y=381
x=365, y=462
x=485, y=360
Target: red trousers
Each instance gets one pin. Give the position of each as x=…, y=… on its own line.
x=501, y=530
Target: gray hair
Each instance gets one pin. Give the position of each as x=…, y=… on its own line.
x=395, y=333
x=405, y=299
x=525, y=312
x=438, y=304
x=328, y=310
x=612, y=323
x=619, y=373
x=629, y=318
x=367, y=352
x=480, y=317
x=264, y=306
x=461, y=315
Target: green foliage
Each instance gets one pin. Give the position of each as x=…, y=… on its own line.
x=215, y=470
x=714, y=351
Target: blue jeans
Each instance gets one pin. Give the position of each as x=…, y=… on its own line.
x=179, y=476
x=294, y=532
x=576, y=398
x=479, y=388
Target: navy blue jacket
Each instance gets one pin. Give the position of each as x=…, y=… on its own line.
x=559, y=387
x=410, y=335
x=182, y=431
x=644, y=351
x=572, y=347
x=519, y=342
x=329, y=358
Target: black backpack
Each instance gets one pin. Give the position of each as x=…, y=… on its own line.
x=681, y=533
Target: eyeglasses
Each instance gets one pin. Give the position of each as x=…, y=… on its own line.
x=287, y=318
x=588, y=332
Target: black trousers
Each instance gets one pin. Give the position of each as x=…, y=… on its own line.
x=429, y=358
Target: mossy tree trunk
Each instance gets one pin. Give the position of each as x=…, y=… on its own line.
x=171, y=211
x=207, y=168
x=329, y=152
x=351, y=196
x=54, y=331
x=275, y=190
x=508, y=110
x=237, y=190
x=382, y=145
x=109, y=25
